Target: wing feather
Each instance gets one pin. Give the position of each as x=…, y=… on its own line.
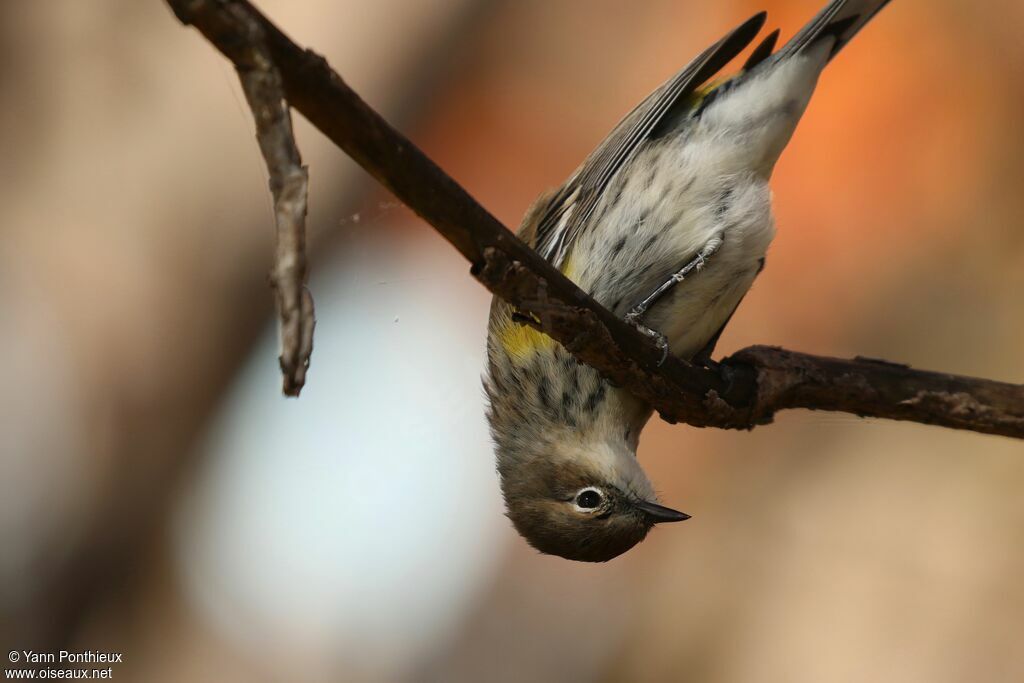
x=571, y=206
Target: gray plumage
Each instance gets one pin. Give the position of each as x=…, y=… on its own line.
x=684, y=171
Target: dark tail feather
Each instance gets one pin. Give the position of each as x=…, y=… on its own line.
x=840, y=19
x=763, y=51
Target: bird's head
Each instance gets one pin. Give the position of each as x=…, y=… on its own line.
x=589, y=505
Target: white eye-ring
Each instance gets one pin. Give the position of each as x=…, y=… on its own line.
x=588, y=499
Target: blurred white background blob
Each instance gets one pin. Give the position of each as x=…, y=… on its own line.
x=354, y=526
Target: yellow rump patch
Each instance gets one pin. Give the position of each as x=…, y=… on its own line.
x=702, y=92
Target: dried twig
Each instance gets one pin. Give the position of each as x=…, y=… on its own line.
x=289, y=184
x=745, y=390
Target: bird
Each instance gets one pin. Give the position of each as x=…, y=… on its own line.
x=666, y=224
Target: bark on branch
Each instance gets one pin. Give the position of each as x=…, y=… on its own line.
x=747, y=389
x=289, y=185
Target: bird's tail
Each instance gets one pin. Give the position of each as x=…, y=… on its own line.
x=840, y=19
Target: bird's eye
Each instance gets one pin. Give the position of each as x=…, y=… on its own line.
x=588, y=499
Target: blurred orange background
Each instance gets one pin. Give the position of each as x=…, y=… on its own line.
x=160, y=499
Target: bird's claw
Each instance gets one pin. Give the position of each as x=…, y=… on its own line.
x=660, y=340
x=662, y=343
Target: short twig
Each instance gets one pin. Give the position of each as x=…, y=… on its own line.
x=289, y=184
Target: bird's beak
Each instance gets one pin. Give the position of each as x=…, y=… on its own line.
x=660, y=513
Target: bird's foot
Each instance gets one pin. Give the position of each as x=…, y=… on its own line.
x=660, y=340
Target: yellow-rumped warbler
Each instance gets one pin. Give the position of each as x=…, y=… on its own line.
x=666, y=223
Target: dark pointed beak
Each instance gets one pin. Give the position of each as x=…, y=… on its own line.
x=660, y=513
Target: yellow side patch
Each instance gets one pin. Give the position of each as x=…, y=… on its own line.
x=521, y=341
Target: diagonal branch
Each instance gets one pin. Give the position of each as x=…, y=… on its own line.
x=745, y=390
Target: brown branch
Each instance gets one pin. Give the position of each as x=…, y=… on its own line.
x=289, y=185
x=877, y=388
x=745, y=390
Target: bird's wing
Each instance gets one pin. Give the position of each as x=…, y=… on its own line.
x=569, y=209
x=841, y=19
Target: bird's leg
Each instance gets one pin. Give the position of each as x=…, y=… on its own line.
x=638, y=311
x=697, y=263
